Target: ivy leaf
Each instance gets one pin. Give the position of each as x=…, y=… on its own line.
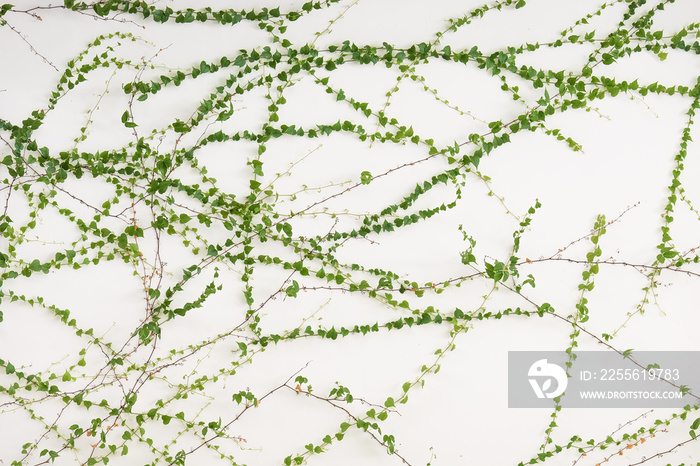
x=5, y=8
x=125, y=118
x=293, y=289
x=180, y=127
x=223, y=116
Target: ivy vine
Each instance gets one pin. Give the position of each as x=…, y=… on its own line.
x=186, y=243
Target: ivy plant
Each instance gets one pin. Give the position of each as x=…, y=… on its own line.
x=208, y=214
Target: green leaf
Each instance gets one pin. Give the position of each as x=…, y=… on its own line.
x=223, y=116
x=5, y=8
x=366, y=177
x=389, y=402
x=293, y=289
x=180, y=126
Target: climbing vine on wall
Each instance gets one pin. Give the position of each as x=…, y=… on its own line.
x=217, y=222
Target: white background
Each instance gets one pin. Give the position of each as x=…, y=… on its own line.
x=461, y=415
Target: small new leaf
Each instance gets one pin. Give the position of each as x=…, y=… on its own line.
x=366, y=177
